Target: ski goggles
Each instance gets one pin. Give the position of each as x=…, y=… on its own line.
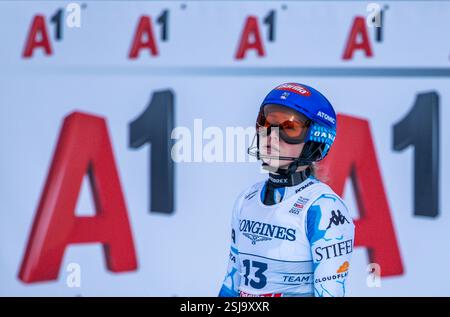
x=292, y=125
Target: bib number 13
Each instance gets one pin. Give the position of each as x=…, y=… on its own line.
x=260, y=279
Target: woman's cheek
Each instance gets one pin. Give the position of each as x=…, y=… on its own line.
x=292, y=150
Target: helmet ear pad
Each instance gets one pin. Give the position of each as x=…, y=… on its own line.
x=312, y=151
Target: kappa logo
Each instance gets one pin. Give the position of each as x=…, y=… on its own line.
x=337, y=219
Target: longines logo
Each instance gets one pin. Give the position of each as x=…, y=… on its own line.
x=259, y=231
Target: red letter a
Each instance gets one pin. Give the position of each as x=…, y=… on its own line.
x=353, y=155
x=359, y=27
x=250, y=29
x=37, y=27
x=144, y=28
x=83, y=147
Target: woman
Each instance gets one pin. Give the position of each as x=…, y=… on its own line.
x=292, y=235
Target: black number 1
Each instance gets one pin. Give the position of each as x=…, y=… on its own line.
x=163, y=20
x=420, y=128
x=155, y=126
x=57, y=20
x=270, y=21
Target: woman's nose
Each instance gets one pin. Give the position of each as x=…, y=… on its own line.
x=274, y=135
x=274, y=132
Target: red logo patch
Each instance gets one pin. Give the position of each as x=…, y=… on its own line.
x=296, y=88
x=243, y=294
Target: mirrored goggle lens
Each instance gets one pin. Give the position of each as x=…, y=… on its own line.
x=291, y=125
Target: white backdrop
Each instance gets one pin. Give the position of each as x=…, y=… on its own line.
x=185, y=254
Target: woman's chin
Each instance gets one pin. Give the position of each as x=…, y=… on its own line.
x=271, y=164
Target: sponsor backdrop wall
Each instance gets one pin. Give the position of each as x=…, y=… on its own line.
x=90, y=92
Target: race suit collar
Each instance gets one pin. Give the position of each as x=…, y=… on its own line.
x=277, y=180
